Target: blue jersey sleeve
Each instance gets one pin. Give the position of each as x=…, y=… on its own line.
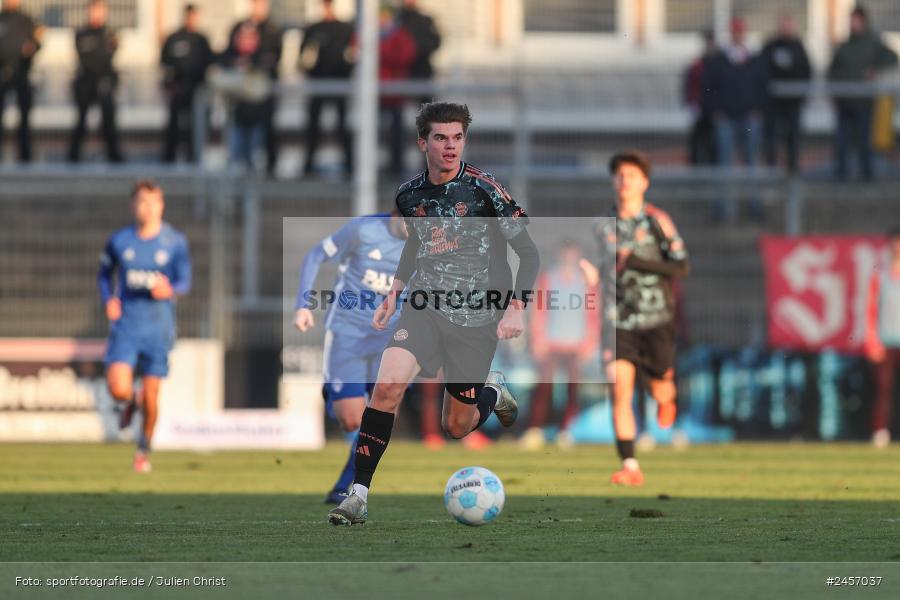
x=105, y=275
x=332, y=249
x=181, y=267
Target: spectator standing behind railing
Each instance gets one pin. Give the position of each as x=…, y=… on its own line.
x=736, y=82
x=185, y=57
x=702, y=141
x=860, y=58
x=20, y=39
x=565, y=335
x=254, y=46
x=882, y=345
x=428, y=39
x=786, y=60
x=96, y=81
x=254, y=49
x=325, y=53
x=397, y=51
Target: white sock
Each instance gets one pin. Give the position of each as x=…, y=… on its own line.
x=631, y=464
x=361, y=491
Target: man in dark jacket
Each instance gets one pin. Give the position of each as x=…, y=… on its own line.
x=702, y=141
x=20, y=39
x=786, y=60
x=860, y=59
x=185, y=57
x=428, y=40
x=325, y=54
x=96, y=81
x=264, y=55
x=735, y=80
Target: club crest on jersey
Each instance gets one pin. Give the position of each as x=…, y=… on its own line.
x=128, y=254
x=161, y=257
x=420, y=211
x=400, y=335
x=461, y=209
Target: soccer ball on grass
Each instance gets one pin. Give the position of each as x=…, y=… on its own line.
x=474, y=496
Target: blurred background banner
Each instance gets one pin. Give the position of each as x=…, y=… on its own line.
x=817, y=290
x=53, y=389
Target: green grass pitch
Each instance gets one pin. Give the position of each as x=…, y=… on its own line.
x=741, y=502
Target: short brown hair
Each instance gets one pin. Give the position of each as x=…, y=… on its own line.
x=441, y=112
x=142, y=185
x=631, y=157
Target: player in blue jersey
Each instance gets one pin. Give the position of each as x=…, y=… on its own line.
x=142, y=269
x=367, y=250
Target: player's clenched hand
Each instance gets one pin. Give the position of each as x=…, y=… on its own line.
x=513, y=322
x=384, y=312
x=113, y=309
x=303, y=319
x=162, y=289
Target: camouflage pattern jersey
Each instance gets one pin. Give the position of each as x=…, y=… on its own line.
x=461, y=229
x=640, y=296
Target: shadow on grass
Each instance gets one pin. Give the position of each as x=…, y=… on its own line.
x=282, y=527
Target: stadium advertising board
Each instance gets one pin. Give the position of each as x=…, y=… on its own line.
x=817, y=290
x=54, y=389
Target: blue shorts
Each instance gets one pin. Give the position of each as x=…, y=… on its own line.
x=146, y=351
x=348, y=372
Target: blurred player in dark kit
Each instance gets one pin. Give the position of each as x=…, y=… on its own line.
x=460, y=222
x=643, y=249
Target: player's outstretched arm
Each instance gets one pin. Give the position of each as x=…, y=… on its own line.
x=387, y=309
x=512, y=325
x=405, y=268
x=333, y=248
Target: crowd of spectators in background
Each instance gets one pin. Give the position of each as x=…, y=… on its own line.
x=732, y=90
x=736, y=105
x=246, y=74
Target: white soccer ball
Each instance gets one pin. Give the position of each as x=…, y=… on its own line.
x=474, y=496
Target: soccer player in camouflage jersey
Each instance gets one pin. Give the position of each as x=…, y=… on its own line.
x=643, y=248
x=461, y=300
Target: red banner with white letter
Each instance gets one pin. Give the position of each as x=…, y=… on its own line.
x=817, y=289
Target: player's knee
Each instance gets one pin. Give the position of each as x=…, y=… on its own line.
x=350, y=423
x=455, y=429
x=387, y=395
x=119, y=390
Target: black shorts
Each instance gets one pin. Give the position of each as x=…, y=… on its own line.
x=465, y=353
x=652, y=350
